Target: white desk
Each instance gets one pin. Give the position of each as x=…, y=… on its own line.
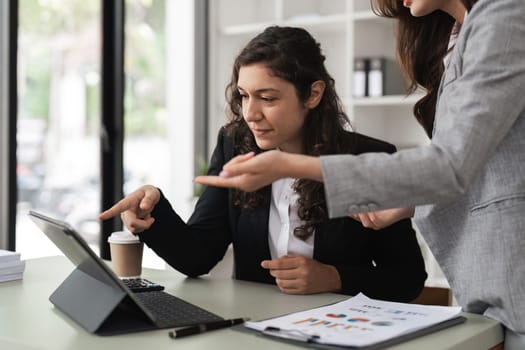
x=29, y=321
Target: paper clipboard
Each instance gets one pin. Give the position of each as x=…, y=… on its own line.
x=357, y=323
x=308, y=342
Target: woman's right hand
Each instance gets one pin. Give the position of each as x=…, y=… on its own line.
x=135, y=209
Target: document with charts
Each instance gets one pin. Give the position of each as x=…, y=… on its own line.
x=356, y=322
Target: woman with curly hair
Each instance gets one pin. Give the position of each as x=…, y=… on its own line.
x=468, y=183
x=281, y=97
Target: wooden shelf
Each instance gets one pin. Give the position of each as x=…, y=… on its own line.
x=329, y=22
x=392, y=100
x=365, y=16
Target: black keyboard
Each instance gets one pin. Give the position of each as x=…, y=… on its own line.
x=174, y=312
x=139, y=285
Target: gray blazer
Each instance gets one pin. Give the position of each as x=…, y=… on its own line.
x=469, y=182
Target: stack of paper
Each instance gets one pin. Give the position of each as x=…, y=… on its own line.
x=11, y=267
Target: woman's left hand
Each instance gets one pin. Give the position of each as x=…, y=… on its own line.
x=249, y=172
x=246, y=172
x=380, y=219
x=295, y=274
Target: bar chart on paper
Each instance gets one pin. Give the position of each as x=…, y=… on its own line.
x=358, y=321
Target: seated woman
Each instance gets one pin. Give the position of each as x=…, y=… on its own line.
x=281, y=97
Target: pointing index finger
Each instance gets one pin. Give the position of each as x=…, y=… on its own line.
x=116, y=209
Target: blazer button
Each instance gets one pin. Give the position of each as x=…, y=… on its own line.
x=372, y=207
x=353, y=209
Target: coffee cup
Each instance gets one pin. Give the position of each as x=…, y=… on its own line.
x=126, y=254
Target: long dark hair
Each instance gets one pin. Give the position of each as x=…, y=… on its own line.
x=422, y=43
x=291, y=54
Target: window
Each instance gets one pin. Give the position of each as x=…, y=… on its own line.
x=147, y=157
x=59, y=116
x=58, y=155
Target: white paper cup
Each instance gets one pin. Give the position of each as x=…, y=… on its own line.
x=126, y=254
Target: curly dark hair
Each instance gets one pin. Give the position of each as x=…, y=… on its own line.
x=291, y=54
x=422, y=43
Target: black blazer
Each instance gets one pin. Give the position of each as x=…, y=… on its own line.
x=385, y=264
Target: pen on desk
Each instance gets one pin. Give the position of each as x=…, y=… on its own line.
x=205, y=327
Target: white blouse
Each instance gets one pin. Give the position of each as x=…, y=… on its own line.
x=283, y=221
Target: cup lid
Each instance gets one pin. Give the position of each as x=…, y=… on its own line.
x=123, y=237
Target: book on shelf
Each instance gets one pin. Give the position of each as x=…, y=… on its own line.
x=360, y=79
x=377, y=77
x=358, y=322
x=11, y=266
x=385, y=78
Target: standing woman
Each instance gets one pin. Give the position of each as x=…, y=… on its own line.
x=281, y=96
x=469, y=182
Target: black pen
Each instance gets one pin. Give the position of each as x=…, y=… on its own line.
x=205, y=327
